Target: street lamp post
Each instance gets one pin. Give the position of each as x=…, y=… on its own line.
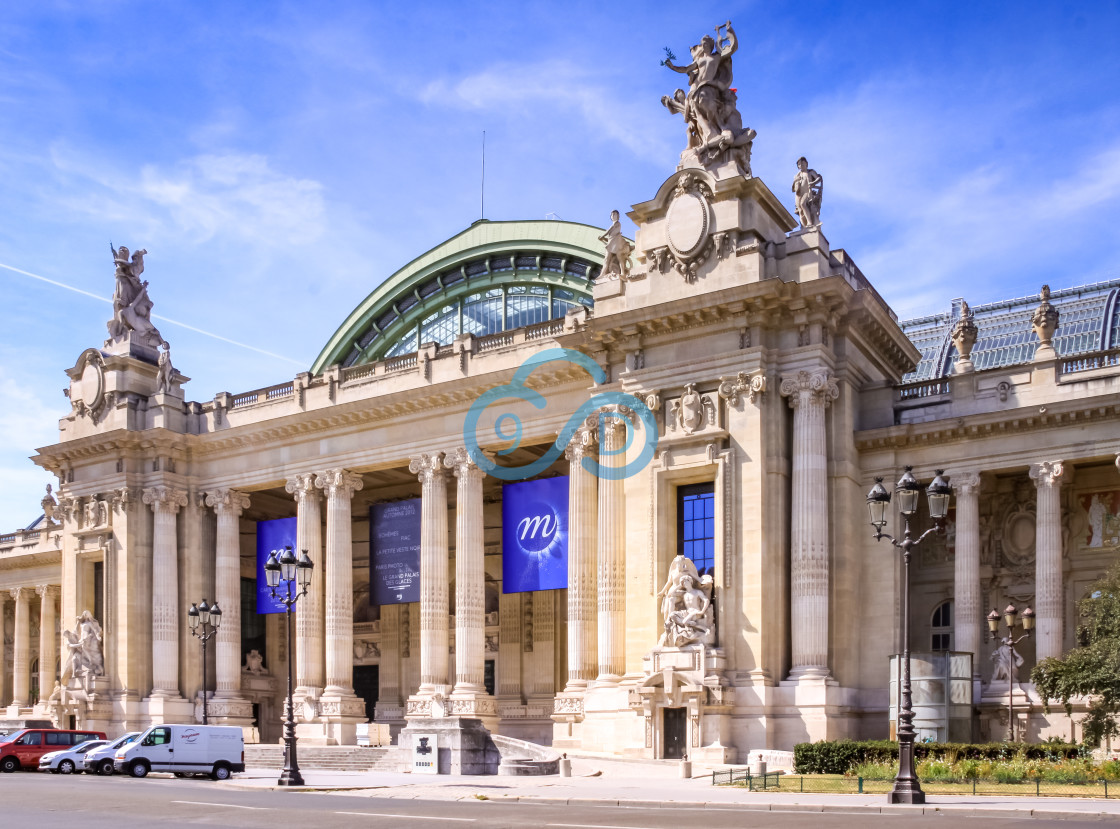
x=1010, y=614
x=282, y=566
x=204, y=621
x=906, y=788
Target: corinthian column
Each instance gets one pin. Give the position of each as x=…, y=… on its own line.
x=3, y=639
x=809, y=393
x=309, y=615
x=968, y=617
x=340, y=486
x=48, y=638
x=1048, y=559
x=470, y=578
x=228, y=505
x=165, y=503
x=611, y=573
x=433, y=572
x=21, y=651
x=582, y=523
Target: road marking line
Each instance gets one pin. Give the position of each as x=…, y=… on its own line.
x=595, y=826
x=407, y=817
x=226, y=805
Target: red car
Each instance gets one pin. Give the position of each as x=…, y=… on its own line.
x=22, y=749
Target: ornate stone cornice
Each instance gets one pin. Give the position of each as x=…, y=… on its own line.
x=165, y=499
x=462, y=465
x=1047, y=473
x=967, y=483
x=744, y=384
x=301, y=486
x=338, y=483
x=227, y=501
x=817, y=386
x=428, y=468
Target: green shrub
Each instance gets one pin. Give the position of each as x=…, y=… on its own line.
x=843, y=756
x=1110, y=770
x=1014, y=771
x=875, y=770
x=937, y=770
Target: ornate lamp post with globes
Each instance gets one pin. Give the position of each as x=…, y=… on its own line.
x=282, y=566
x=1010, y=615
x=906, y=788
x=204, y=621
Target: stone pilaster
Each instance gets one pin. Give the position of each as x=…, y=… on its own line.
x=582, y=523
x=310, y=645
x=21, y=650
x=165, y=503
x=611, y=571
x=809, y=393
x=469, y=697
x=1048, y=559
x=433, y=574
x=968, y=615
x=3, y=639
x=228, y=504
x=48, y=638
x=340, y=486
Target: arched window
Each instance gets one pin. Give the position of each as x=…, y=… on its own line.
x=941, y=627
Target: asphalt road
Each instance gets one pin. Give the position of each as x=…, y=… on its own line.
x=43, y=801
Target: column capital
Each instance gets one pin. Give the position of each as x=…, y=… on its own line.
x=816, y=386
x=226, y=501
x=124, y=497
x=1118, y=461
x=47, y=591
x=966, y=483
x=582, y=445
x=428, y=468
x=20, y=593
x=462, y=465
x=1047, y=473
x=302, y=486
x=338, y=482
x=165, y=499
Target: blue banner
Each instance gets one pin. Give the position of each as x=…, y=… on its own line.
x=535, y=535
x=272, y=535
x=394, y=552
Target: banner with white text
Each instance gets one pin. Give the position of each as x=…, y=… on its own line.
x=394, y=552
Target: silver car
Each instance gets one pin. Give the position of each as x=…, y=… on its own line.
x=100, y=759
x=66, y=761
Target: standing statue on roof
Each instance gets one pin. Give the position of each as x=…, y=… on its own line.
x=808, y=190
x=132, y=308
x=616, y=263
x=710, y=108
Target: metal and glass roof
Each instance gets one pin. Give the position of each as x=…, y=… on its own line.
x=492, y=277
x=1089, y=321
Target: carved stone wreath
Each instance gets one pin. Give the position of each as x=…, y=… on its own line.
x=688, y=227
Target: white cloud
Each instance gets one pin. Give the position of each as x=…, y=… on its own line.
x=26, y=422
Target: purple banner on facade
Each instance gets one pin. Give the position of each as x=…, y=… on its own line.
x=394, y=552
x=535, y=535
x=272, y=535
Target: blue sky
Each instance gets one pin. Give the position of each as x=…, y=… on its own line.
x=278, y=160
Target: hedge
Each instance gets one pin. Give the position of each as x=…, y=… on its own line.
x=840, y=756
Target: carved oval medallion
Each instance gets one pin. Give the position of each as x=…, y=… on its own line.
x=1019, y=536
x=91, y=384
x=687, y=223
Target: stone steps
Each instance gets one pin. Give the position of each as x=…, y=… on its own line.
x=324, y=758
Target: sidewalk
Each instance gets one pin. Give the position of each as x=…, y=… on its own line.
x=657, y=785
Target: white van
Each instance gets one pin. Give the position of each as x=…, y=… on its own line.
x=218, y=750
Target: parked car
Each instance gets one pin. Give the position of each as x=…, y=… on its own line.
x=66, y=761
x=23, y=748
x=217, y=750
x=100, y=760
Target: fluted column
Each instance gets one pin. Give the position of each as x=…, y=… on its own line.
x=228, y=505
x=611, y=570
x=968, y=615
x=3, y=639
x=582, y=525
x=21, y=650
x=340, y=486
x=48, y=638
x=1048, y=559
x=470, y=575
x=165, y=503
x=310, y=644
x=433, y=572
x=809, y=393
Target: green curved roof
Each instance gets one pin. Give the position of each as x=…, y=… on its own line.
x=486, y=255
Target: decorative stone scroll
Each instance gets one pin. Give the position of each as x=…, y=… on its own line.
x=744, y=385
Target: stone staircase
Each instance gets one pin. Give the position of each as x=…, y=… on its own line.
x=324, y=758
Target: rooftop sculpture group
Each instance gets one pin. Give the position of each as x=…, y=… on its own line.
x=132, y=307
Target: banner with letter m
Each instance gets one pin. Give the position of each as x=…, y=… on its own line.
x=535, y=535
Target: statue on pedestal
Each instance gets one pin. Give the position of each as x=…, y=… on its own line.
x=1044, y=321
x=710, y=108
x=686, y=606
x=131, y=306
x=616, y=263
x=808, y=189
x=167, y=372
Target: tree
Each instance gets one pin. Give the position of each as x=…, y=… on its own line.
x=1092, y=669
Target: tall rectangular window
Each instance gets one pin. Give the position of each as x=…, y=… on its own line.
x=696, y=525
x=252, y=623
x=99, y=591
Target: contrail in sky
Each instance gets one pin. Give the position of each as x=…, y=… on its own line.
x=156, y=316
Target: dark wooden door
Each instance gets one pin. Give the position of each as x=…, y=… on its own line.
x=366, y=686
x=675, y=728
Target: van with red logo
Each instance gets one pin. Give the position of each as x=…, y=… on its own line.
x=217, y=750
x=22, y=749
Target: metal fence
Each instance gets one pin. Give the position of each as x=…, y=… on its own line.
x=839, y=784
